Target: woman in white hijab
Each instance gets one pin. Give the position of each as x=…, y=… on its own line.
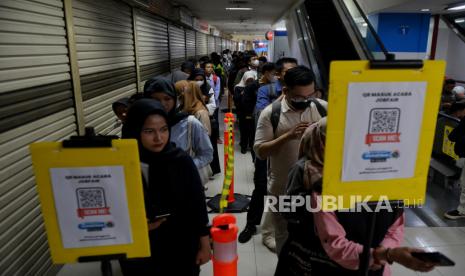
x=246, y=122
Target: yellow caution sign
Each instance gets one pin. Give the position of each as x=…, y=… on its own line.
x=448, y=145
x=381, y=124
x=91, y=199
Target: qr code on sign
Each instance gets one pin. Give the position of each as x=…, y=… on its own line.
x=384, y=120
x=91, y=198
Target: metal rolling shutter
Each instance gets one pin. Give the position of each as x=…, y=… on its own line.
x=217, y=44
x=201, y=44
x=190, y=44
x=105, y=49
x=152, y=45
x=177, y=47
x=36, y=104
x=211, y=44
x=224, y=44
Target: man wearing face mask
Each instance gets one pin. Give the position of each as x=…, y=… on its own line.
x=278, y=134
x=270, y=89
x=252, y=65
x=270, y=92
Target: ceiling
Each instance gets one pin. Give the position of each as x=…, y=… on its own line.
x=435, y=6
x=257, y=21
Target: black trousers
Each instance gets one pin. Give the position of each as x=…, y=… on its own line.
x=247, y=130
x=257, y=202
x=215, y=126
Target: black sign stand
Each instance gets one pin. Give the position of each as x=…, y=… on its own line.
x=366, y=254
x=389, y=63
x=89, y=140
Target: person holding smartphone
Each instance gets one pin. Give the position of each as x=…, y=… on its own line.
x=175, y=202
x=330, y=243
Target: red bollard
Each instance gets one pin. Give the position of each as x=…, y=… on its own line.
x=224, y=234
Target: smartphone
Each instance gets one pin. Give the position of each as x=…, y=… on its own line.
x=434, y=257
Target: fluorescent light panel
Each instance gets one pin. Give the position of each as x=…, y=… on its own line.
x=239, y=9
x=425, y=10
x=457, y=7
x=460, y=20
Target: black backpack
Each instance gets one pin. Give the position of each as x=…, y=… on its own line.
x=276, y=112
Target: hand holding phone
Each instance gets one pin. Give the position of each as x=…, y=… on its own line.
x=437, y=258
x=155, y=223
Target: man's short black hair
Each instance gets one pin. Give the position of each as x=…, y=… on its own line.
x=267, y=67
x=204, y=59
x=187, y=65
x=262, y=59
x=450, y=81
x=248, y=58
x=280, y=63
x=299, y=76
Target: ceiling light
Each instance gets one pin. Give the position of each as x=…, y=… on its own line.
x=460, y=20
x=425, y=10
x=456, y=7
x=239, y=9
x=365, y=24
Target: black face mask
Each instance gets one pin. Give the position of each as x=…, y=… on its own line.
x=300, y=105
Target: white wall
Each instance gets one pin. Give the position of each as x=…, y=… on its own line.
x=451, y=49
x=456, y=58
x=294, y=47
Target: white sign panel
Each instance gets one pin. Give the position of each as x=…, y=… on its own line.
x=91, y=205
x=382, y=130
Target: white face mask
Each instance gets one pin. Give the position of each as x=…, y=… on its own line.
x=255, y=62
x=200, y=83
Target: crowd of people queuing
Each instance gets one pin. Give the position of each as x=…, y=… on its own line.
x=453, y=104
x=282, y=124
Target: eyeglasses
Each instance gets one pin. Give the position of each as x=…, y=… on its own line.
x=303, y=99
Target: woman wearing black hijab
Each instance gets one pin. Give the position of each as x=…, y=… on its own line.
x=200, y=147
x=179, y=243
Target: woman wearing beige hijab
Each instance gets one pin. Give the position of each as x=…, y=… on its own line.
x=190, y=99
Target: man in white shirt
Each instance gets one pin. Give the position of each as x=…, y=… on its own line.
x=280, y=143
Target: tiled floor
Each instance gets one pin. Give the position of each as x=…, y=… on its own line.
x=257, y=260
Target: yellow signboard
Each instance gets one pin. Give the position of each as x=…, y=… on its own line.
x=381, y=124
x=92, y=200
x=448, y=145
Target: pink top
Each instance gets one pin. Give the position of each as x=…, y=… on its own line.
x=345, y=252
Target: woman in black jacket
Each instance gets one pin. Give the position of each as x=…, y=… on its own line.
x=179, y=242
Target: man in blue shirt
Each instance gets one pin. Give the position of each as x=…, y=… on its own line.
x=265, y=94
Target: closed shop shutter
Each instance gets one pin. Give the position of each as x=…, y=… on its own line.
x=201, y=44
x=190, y=43
x=152, y=45
x=217, y=44
x=224, y=44
x=211, y=44
x=106, y=58
x=177, y=47
x=36, y=104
